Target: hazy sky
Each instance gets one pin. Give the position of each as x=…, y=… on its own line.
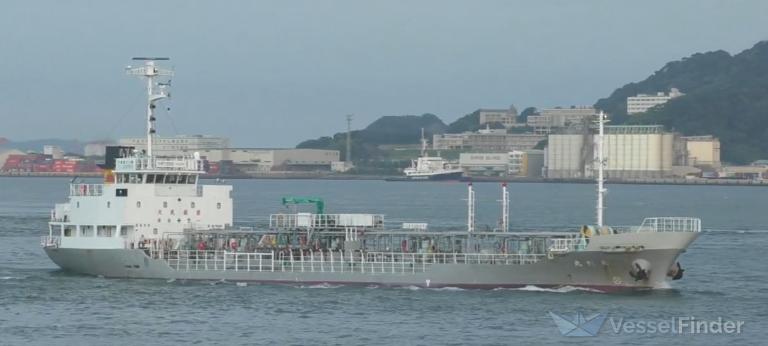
x=271, y=73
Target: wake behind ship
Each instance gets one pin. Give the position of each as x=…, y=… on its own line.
x=152, y=218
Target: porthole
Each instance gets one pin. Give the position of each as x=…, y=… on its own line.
x=77, y=204
x=138, y=204
x=198, y=212
x=154, y=231
x=218, y=205
x=192, y=205
x=165, y=204
x=109, y=204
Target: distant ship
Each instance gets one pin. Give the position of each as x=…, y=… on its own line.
x=427, y=167
x=152, y=218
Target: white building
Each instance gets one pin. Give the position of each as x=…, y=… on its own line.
x=550, y=118
x=506, y=117
x=630, y=152
x=55, y=151
x=487, y=141
x=177, y=145
x=516, y=163
x=259, y=160
x=644, y=102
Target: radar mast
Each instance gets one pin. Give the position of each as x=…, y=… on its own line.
x=157, y=89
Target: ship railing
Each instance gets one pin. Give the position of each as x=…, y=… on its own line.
x=325, y=221
x=669, y=224
x=563, y=245
x=329, y=261
x=48, y=241
x=86, y=189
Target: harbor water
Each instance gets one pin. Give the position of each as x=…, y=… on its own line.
x=725, y=274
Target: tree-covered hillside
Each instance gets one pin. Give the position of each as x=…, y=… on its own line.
x=405, y=129
x=726, y=96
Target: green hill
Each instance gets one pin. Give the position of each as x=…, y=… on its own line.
x=405, y=129
x=726, y=96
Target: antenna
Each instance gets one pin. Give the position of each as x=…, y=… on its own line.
x=600, y=169
x=349, y=139
x=504, y=208
x=423, y=144
x=470, y=208
x=156, y=91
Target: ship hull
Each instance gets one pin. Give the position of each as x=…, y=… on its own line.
x=591, y=269
x=437, y=176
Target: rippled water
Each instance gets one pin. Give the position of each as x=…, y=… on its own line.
x=725, y=274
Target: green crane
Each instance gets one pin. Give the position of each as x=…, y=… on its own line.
x=318, y=202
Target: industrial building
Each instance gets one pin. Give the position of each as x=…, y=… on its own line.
x=259, y=161
x=702, y=151
x=643, y=102
x=487, y=141
x=244, y=160
x=177, y=145
x=553, y=118
x=517, y=163
x=630, y=152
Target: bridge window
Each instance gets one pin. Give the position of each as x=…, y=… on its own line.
x=150, y=178
x=86, y=231
x=105, y=231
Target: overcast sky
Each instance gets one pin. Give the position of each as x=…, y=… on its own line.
x=272, y=73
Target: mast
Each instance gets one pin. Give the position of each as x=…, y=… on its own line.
x=504, y=208
x=423, y=144
x=349, y=139
x=156, y=90
x=470, y=208
x=600, y=169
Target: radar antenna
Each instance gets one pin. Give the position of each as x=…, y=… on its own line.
x=156, y=89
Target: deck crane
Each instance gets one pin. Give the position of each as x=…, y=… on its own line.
x=295, y=200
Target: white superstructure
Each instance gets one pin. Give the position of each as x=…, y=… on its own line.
x=148, y=200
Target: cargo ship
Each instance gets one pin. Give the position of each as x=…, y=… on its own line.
x=153, y=218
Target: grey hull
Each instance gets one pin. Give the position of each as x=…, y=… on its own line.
x=600, y=270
